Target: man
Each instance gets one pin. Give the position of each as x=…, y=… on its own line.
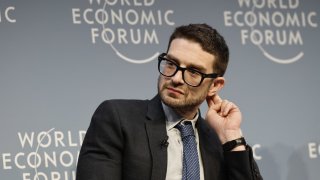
x=166, y=138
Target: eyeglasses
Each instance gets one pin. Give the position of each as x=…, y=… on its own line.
x=190, y=76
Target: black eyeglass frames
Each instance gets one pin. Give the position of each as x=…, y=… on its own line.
x=190, y=76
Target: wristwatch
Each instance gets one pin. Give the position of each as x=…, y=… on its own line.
x=228, y=146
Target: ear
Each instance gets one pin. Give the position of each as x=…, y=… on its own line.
x=216, y=86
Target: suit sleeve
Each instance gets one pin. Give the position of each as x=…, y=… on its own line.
x=100, y=155
x=241, y=165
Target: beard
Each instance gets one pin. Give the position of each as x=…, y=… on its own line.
x=187, y=101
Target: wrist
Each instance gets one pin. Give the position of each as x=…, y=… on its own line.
x=239, y=148
x=230, y=135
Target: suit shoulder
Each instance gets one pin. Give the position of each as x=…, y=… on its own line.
x=125, y=104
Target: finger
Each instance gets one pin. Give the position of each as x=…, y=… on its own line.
x=231, y=108
x=213, y=103
x=227, y=108
x=224, y=104
x=216, y=99
x=209, y=101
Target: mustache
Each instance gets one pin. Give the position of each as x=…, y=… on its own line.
x=173, y=86
x=169, y=84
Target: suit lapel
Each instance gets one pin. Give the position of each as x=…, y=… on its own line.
x=211, y=153
x=157, y=134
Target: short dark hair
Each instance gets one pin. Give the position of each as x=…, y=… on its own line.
x=209, y=39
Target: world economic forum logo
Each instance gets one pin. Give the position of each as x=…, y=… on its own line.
x=42, y=155
x=127, y=27
x=275, y=27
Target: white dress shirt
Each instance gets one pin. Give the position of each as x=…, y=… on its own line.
x=175, y=148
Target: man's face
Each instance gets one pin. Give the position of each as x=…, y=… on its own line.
x=173, y=91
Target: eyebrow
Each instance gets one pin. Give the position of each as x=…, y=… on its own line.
x=192, y=66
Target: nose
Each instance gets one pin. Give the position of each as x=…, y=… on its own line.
x=177, y=78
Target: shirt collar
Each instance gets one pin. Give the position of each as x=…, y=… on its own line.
x=174, y=118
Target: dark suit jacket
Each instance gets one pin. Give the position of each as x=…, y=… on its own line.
x=125, y=141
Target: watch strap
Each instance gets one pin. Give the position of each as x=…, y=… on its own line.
x=228, y=146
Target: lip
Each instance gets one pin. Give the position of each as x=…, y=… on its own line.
x=174, y=90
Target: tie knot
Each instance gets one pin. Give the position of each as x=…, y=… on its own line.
x=185, y=129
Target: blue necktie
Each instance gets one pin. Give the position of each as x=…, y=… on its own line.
x=191, y=169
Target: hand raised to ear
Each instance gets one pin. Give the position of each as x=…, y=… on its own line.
x=224, y=117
